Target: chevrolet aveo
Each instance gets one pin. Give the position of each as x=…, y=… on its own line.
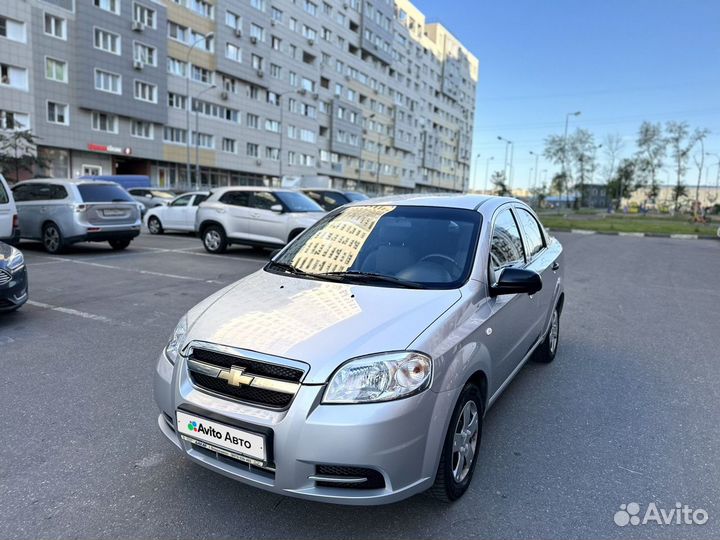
x=357, y=365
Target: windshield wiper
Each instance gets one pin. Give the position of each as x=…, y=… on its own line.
x=369, y=277
x=289, y=268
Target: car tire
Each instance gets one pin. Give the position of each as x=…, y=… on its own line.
x=52, y=239
x=119, y=245
x=154, y=225
x=463, y=437
x=214, y=239
x=545, y=353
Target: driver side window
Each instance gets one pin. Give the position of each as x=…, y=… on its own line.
x=182, y=201
x=506, y=248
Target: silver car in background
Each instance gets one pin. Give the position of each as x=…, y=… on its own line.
x=60, y=212
x=357, y=366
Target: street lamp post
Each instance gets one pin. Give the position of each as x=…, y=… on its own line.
x=197, y=135
x=477, y=164
x=487, y=171
x=564, y=157
x=508, y=146
x=300, y=92
x=537, y=159
x=189, y=104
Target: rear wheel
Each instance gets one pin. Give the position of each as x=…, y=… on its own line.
x=52, y=239
x=545, y=353
x=154, y=225
x=119, y=245
x=214, y=239
x=461, y=447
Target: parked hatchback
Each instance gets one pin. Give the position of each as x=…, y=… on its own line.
x=9, y=222
x=254, y=216
x=356, y=366
x=178, y=215
x=60, y=212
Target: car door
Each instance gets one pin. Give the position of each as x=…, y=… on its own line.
x=189, y=224
x=237, y=206
x=540, y=260
x=510, y=330
x=267, y=225
x=27, y=200
x=177, y=212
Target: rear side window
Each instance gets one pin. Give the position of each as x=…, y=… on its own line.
x=4, y=198
x=91, y=193
x=199, y=199
x=506, y=248
x=263, y=200
x=236, y=198
x=533, y=237
x=32, y=192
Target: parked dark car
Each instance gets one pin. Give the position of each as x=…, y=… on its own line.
x=330, y=199
x=13, y=278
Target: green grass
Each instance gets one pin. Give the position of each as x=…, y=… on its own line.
x=631, y=224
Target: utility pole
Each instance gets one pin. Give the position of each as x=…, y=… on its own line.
x=508, y=147
x=189, y=104
x=197, y=135
x=487, y=171
x=537, y=159
x=477, y=165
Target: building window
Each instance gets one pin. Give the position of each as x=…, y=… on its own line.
x=106, y=81
x=257, y=32
x=275, y=71
x=229, y=145
x=107, y=41
x=253, y=121
x=177, y=101
x=104, y=122
x=178, y=32
x=233, y=52
x=203, y=140
x=309, y=33
x=276, y=15
x=145, y=92
x=257, y=62
x=176, y=67
x=201, y=7
x=252, y=150
x=141, y=129
x=310, y=8
x=55, y=26
x=108, y=5
x=258, y=4
x=272, y=153
x=272, y=125
x=56, y=70
x=14, y=121
x=307, y=84
x=57, y=113
x=202, y=75
x=173, y=135
x=12, y=29
x=233, y=20
x=145, y=54
x=144, y=15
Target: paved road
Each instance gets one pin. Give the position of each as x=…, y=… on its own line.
x=628, y=412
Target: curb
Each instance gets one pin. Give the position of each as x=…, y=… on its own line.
x=636, y=234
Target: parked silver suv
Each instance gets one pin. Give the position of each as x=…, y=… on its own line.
x=60, y=212
x=357, y=366
x=254, y=216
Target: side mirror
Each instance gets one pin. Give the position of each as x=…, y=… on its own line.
x=277, y=208
x=516, y=281
x=148, y=195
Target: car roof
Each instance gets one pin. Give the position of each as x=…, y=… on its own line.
x=445, y=200
x=251, y=188
x=60, y=181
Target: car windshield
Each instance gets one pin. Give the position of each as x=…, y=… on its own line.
x=103, y=193
x=163, y=194
x=298, y=202
x=411, y=246
x=355, y=196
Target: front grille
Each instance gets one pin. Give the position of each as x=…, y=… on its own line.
x=5, y=277
x=375, y=480
x=255, y=367
x=243, y=393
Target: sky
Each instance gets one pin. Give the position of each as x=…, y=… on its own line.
x=618, y=62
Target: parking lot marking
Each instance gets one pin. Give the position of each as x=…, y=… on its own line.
x=69, y=311
x=147, y=272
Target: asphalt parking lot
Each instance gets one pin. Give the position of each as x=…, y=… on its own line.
x=628, y=412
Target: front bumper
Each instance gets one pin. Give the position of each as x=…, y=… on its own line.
x=400, y=439
x=15, y=293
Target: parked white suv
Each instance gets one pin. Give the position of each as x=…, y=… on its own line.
x=254, y=216
x=9, y=229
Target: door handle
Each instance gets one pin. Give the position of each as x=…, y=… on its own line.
x=556, y=265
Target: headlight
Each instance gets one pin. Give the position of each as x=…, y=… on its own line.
x=380, y=377
x=16, y=260
x=172, y=349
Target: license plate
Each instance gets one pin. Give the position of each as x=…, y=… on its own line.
x=114, y=213
x=217, y=434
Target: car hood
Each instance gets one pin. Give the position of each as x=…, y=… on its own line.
x=317, y=322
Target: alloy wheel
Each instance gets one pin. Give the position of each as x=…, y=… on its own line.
x=554, y=331
x=51, y=238
x=465, y=441
x=212, y=240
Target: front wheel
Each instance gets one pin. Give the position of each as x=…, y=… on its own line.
x=461, y=447
x=545, y=353
x=154, y=225
x=214, y=239
x=119, y=245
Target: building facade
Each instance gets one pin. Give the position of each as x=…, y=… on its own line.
x=222, y=92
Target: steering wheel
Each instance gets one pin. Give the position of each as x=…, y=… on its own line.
x=444, y=258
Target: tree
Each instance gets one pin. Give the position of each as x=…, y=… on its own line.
x=539, y=193
x=18, y=153
x=681, y=143
x=623, y=182
x=556, y=152
x=581, y=149
x=652, y=148
x=613, y=146
x=498, y=180
x=699, y=136
x=559, y=183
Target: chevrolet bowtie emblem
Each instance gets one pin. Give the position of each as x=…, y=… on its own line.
x=235, y=376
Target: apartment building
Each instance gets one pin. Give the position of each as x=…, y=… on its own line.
x=219, y=92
